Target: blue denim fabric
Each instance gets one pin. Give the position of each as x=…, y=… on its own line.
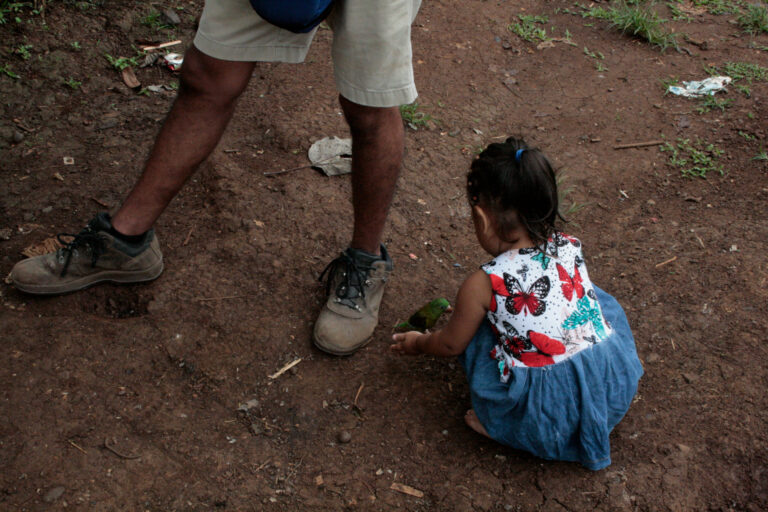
x=564, y=411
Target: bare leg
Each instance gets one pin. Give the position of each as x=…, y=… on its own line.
x=474, y=423
x=207, y=95
x=377, y=154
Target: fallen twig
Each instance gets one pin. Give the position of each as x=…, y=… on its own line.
x=121, y=455
x=670, y=260
x=639, y=144
x=283, y=171
x=77, y=446
x=357, y=395
x=100, y=202
x=201, y=299
x=285, y=368
x=189, y=235
x=406, y=489
x=159, y=46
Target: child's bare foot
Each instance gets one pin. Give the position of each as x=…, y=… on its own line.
x=474, y=423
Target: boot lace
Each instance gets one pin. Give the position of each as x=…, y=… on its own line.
x=354, y=279
x=86, y=238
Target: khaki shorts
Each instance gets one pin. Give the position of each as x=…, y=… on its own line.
x=371, y=48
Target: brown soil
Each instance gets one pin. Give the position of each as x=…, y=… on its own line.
x=127, y=397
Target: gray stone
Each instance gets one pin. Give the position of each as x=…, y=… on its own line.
x=171, y=18
x=53, y=494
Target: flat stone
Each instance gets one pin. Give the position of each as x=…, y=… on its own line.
x=53, y=494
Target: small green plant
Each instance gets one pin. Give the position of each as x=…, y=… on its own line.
x=695, y=160
x=23, y=51
x=761, y=156
x=710, y=102
x=678, y=14
x=666, y=83
x=747, y=136
x=529, y=29
x=72, y=83
x=755, y=19
x=120, y=63
x=76, y=46
x=7, y=71
x=642, y=23
x=154, y=20
x=564, y=190
x=718, y=6
x=597, y=56
x=414, y=117
x=11, y=11
x=741, y=72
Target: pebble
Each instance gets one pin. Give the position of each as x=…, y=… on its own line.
x=344, y=437
x=53, y=494
x=170, y=17
x=17, y=137
x=5, y=233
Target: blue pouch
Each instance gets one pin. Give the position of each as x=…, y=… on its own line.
x=298, y=16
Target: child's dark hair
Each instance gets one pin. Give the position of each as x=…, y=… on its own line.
x=509, y=178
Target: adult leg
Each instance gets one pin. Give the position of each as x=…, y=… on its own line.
x=208, y=92
x=377, y=155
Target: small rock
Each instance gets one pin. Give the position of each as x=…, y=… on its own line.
x=653, y=357
x=17, y=137
x=344, y=437
x=171, y=18
x=5, y=233
x=48, y=209
x=54, y=494
x=650, y=202
x=690, y=377
x=253, y=403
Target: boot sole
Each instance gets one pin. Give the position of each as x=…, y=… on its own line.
x=335, y=352
x=114, y=276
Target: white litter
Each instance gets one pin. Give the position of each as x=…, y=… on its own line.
x=332, y=155
x=698, y=88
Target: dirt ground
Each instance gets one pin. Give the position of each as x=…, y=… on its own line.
x=158, y=397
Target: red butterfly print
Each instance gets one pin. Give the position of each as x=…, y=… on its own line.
x=499, y=288
x=546, y=344
x=528, y=301
x=570, y=284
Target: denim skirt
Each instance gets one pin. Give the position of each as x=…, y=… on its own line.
x=563, y=411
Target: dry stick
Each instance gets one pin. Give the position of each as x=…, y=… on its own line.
x=201, y=299
x=121, y=455
x=357, y=395
x=670, y=260
x=285, y=368
x=283, y=171
x=159, y=46
x=639, y=144
x=78, y=447
x=189, y=235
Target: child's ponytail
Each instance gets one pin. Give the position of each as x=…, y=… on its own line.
x=517, y=184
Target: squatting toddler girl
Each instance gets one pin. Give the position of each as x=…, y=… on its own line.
x=549, y=357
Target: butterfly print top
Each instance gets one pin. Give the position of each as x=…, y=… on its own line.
x=543, y=307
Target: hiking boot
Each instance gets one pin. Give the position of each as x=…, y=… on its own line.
x=91, y=256
x=354, y=286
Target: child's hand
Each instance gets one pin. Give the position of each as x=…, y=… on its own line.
x=405, y=343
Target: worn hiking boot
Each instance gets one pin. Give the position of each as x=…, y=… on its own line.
x=355, y=284
x=91, y=256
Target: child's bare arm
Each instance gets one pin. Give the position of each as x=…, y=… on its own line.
x=472, y=302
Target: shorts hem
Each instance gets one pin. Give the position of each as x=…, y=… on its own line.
x=383, y=98
x=271, y=53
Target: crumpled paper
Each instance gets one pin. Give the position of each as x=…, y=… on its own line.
x=706, y=87
x=332, y=155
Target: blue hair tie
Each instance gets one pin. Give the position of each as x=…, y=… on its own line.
x=519, y=154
